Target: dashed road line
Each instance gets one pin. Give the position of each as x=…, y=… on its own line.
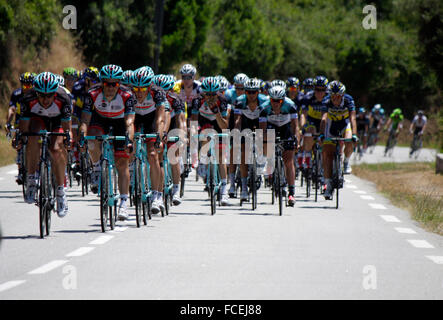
x=360, y=191
x=366, y=197
x=119, y=229
x=377, y=206
x=48, y=267
x=389, y=218
x=405, y=230
x=423, y=244
x=12, y=172
x=436, y=259
x=101, y=240
x=80, y=252
x=350, y=186
x=11, y=284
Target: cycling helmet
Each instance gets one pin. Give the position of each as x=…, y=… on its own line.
x=377, y=107
x=91, y=73
x=164, y=81
x=361, y=110
x=126, y=76
x=252, y=84
x=280, y=83
x=27, y=77
x=336, y=87
x=188, y=69
x=277, y=92
x=142, y=77
x=293, y=82
x=224, y=83
x=262, y=85
x=111, y=71
x=420, y=113
x=46, y=82
x=382, y=111
x=240, y=78
x=320, y=81
x=70, y=72
x=61, y=80
x=210, y=84
x=397, y=111
x=308, y=84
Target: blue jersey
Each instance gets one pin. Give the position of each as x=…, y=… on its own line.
x=249, y=118
x=313, y=107
x=231, y=96
x=341, y=112
x=288, y=112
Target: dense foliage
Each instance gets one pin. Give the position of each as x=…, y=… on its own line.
x=398, y=64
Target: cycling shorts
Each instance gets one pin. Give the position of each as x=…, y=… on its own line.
x=118, y=129
x=337, y=129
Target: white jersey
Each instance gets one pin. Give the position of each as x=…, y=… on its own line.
x=419, y=123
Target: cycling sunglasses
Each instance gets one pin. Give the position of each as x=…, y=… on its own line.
x=111, y=84
x=26, y=86
x=210, y=93
x=239, y=88
x=293, y=88
x=320, y=89
x=45, y=95
x=140, y=89
x=187, y=77
x=251, y=91
x=277, y=100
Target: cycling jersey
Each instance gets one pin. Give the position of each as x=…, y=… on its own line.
x=419, y=123
x=281, y=122
x=15, y=101
x=249, y=118
x=314, y=109
x=231, y=97
x=180, y=90
x=338, y=121
x=177, y=107
x=79, y=93
x=362, y=122
x=206, y=117
x=377, y=118
x=395, y=121
x=145, y=112
x=51, y=117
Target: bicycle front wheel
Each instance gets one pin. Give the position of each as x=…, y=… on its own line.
x=42, y=199
x=104, y=196
x=137, y=192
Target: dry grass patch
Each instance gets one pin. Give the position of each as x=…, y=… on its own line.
x=412, y=186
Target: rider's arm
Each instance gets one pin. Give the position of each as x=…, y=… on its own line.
x=160, y=119
x=353, y=122
x=324, y=118
x=10, y=115
x=222, y=121
x=129, y=122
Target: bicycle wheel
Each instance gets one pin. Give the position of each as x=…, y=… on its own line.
x=113, y=213
x=42, y=199
x=338, y=177
x=278, y=186
x=104, y=196
x=212, y=189
x=137, y=193
x=83, y=169
x=50, y=204
x=182, y=183
x=253, y=179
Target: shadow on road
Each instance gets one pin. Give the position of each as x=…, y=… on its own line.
x=20, y=237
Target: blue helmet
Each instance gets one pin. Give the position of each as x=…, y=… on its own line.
x=111, y=71
x=46, y=82
x=142, y=77
x=320, y=81
x=125, y=77
x=292, y=82
x=308, y=83
x=361, y=110
x=210, y=84
x=382, y=111
x=165, y=81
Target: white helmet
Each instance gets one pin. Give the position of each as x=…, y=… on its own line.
x=240, y=78
x=188, y=69
x=280, y=83
x=377, y=107
x=252, y=84
x=277, y=92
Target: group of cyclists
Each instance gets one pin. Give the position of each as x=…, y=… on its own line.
x=112, y=101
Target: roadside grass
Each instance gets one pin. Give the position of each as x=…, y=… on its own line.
x=411, y=186
x=7, y=153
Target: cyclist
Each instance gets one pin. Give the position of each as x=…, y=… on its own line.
x=362, y=121
x=308, y=85
x=46, y=107
x=26, y=80
x=278, y=82
x=247, y=111
x=294, y=93
x=150, y=109
x=210, y=110
x=126, y=78
x=280, y=114
x=395, y=122
x=71, y=75
x=177, y=121
x=110, y=105
x=312, y=113
x=376, y=120
x=231, y=95
x=338, y=121
x=418, y=126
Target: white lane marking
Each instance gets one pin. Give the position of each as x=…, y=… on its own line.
x=119, y=229
x=12, y=172
x=350, y=186
x=389, y=218
x=360, y=191
x=377, y=206
x=347, y=180
x=80, y=252
x=48, y=267
x=436, y=259
x=365, y=197
x=11, y=284
x=405, y=230
x=101, y=240
x=421, y=244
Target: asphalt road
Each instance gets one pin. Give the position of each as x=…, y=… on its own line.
x=367, y=249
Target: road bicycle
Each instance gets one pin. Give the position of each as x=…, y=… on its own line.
x=46, y=185
x=21, y=159
x=167, y=177
x=85, y=169
x=416, y=145
x=254, y=179
x=390, y=144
